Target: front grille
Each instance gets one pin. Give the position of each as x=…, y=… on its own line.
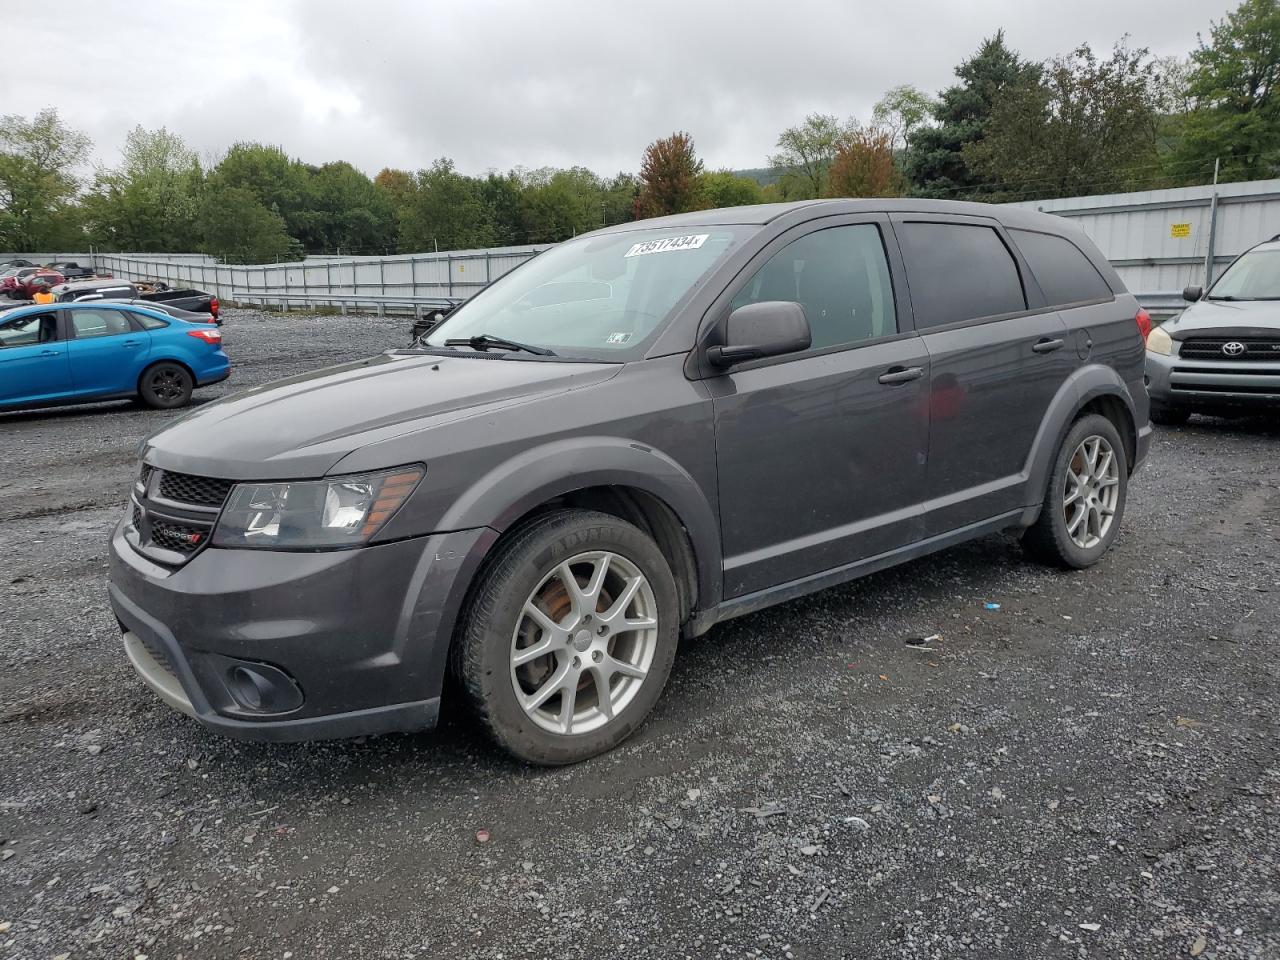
x=178, y=537
x=184, y=488
x=1211, y=348
x=173, y=514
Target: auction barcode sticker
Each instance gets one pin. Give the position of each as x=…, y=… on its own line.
x=692, y=242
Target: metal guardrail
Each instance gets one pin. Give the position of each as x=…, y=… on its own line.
x=380, y=302
x=1161, y=303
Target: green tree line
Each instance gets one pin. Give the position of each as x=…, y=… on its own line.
x=1009, y=128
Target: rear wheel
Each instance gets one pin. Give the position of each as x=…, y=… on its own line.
x=1085, y=499
x=569, y=637
x=1169, y=416
x=165, y=386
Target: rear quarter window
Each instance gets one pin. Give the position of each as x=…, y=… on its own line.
x=1061, y=268
x=958, y=271
x=147, y=322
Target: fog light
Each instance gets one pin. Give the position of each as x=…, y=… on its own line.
x=248, y=687
x=257, y=687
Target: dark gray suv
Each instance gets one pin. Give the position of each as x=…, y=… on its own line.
x=636, y=435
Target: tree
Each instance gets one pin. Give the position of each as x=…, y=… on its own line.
x=935, y=164
x=805, y=153
x=501, y=194
x=558, y=204
x=1083, y=126
x=239, y=228
x=724, y=188
x=864, y=165
x=901, y=111
x=1232, y=83
x=447, y=212
x=669, y=178
x=152, y=200
x=38, y=162
x=347, y=212
x=619, y=198
x=277, y=181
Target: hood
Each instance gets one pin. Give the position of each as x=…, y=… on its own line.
x=1227, y=318
x=300, y=427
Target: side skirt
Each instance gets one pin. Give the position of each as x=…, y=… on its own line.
x=751, y=602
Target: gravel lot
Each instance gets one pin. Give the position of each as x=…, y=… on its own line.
x=1091, y=770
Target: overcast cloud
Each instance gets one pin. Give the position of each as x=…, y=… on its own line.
x=495, y=85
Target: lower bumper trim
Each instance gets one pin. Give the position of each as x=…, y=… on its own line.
x=395, y=718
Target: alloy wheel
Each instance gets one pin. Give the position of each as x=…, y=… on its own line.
x=584, y=642
x=1091, y=491
x=167, y=384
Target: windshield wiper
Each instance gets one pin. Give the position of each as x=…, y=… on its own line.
x=482, y=341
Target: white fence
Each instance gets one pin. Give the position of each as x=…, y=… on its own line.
x=1159, y=240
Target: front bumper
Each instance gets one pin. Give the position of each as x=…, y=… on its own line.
x=1209, y=385
x=357, y=639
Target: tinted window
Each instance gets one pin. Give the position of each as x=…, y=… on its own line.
x=958, y=272
x=98, y=323
x=841, y=278
x=148, y=322
x=1061, y=268
x=42, y=328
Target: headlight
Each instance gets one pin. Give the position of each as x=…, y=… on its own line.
x=313, y=514
x=1159, y=342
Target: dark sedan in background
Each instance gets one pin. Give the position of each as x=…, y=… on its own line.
x=1221, y=355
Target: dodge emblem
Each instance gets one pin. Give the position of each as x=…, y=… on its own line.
x=1233, y=348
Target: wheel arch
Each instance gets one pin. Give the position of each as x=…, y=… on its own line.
x=632, y=481
x=1091, y=389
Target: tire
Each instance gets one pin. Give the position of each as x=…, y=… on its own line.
x=1062, y=535
x=1169, y=416
x=636, y=660
x=165, y=386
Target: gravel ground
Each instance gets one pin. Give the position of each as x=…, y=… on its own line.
x=1090, y=770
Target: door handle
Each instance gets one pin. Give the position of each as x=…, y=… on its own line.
x=48, y=353
x=131, y=343
x=901, y=375
x=1046, y=346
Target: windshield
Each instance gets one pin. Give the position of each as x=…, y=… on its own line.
x=604, y=297
x=1255, y=276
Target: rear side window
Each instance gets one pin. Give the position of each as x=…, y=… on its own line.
x=88, y=324
x=1061, y=268
x=959, y=271
x=148, y=322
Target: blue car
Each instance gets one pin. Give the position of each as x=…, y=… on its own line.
x=87, y=352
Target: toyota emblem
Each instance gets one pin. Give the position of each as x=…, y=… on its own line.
x=1233, y=348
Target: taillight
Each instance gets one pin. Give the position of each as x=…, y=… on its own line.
x=1143, y=320
x=208, y=336
x=213, y=305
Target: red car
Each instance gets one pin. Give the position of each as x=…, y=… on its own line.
x=24, y=287
x=10, y=278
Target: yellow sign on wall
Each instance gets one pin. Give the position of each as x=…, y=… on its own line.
x=1179, y=231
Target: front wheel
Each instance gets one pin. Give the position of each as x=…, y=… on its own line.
x=165, y=386
x=569, y=637
x=1085, y=498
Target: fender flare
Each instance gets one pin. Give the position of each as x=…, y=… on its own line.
x=1085, y=384
x=499, y=498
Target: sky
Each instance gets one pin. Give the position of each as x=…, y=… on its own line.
x=553, y=83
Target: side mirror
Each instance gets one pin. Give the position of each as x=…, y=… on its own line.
x=1192, y=294
x=766, y=329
